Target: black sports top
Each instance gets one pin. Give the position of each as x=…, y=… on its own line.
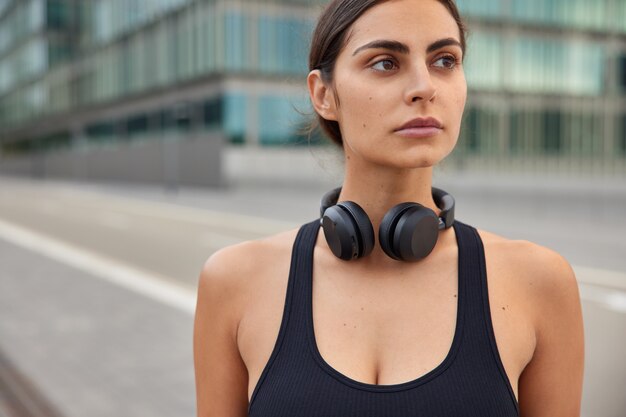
x=470, y=382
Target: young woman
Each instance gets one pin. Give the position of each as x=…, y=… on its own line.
x=358, y=318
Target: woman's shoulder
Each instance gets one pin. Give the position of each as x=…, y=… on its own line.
x=239, y=268
x=539, y=271
x=537, y=318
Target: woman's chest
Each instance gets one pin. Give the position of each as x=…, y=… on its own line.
x=386, y=334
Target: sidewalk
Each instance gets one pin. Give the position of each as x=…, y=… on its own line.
x=90, y=347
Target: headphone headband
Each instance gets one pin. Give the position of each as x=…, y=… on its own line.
x=443, y=200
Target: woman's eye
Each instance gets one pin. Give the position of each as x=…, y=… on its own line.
x=384, y=65
x=447, y=61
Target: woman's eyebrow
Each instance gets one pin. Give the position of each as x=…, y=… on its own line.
x=403, y=48
x=443, y=42
x=384, y=44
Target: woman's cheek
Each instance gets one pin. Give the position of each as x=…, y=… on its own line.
x=360, y=118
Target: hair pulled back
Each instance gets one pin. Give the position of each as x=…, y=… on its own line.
x=329, y=38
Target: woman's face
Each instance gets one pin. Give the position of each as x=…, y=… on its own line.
x=401, y=61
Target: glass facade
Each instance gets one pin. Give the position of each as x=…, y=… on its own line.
x=622, y=136
x=546, y=77
x=24, y=63
x=600, y=15
x=535, y=64
x=21, y=56
x=108, y=19
x=546, y=81
x=21, y=20
x=200, y=39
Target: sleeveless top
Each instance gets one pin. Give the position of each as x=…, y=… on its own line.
x=470, y=382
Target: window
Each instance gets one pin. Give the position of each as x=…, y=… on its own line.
x=235, y=37
x=58, y=14
x=280, y=121
x=480, y=130
x=551, y=138
x=282, y=44
x=101, y=131
x=22, y=147
x=622, y=73
x=179, y=117
x=489, y=8
x=58, y=51
x=471, y=135
x=273, y=120
x=212, y=112
x=583, y=14
x=53, y=141
x=137, y=125
x=622, y=137
x=525, y=132
x=557, y=66
x=235, y=116
x=183, y=116
x=483, y=66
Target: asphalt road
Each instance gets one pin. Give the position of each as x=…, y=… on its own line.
x=167, y=235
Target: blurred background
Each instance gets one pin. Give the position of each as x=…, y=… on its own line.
x=138, y=137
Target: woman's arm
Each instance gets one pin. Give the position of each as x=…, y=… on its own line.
x=551, y=384
x=221, y=375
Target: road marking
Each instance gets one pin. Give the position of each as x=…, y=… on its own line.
x=607, y=288
x=608, y=297
x=148, y=284
x=601, y=277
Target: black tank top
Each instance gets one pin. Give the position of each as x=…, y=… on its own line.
x=470, y=382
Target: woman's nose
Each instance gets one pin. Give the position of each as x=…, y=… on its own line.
x=421, y=86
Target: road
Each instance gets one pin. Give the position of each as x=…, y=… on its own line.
x=141, y=248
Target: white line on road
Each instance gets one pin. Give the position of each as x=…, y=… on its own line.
x=601, y=277
x=608, y=297
x=145, y=283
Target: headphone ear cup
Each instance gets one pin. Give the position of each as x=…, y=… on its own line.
x=348, y=231
x=409, y=232
x=387, y=229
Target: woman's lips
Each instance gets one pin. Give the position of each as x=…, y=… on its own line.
x=420, y=127
x=419, y=132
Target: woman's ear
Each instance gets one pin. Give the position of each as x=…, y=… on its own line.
x=322, y=96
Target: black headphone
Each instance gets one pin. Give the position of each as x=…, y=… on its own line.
x=408, y=232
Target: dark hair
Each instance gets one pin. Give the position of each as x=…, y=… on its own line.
x=329, y=38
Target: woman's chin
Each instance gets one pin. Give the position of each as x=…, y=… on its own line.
x=402, y=158
x=425, y=158
x=422, y=161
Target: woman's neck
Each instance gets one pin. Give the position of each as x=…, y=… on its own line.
x=377, y=190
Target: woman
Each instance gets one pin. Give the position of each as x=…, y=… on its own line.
x=477, y=325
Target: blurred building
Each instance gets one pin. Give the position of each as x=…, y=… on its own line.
x=547, y=78
x=547, y=84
